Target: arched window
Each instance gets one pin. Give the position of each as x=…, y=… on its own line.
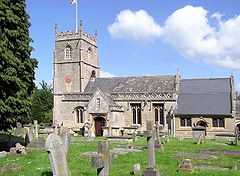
x=68, y=52
x=79, y=115
x=136, y=112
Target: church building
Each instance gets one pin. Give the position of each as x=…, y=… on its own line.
x=124, y=104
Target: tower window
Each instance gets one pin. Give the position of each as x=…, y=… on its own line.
x=68, y=52
x=93, y=75
x=79, y=114
x=136, y=113
x=89, y=52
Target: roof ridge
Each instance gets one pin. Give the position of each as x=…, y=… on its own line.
x=143, y=76
x=210, y=78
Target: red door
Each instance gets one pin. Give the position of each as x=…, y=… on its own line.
x=99, y=124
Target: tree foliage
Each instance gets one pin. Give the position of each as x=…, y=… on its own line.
x=16, y=65
x=42, y=103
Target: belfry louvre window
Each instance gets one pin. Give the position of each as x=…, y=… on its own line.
x=159, y=113
x=185, y=122
x=136, y=113
x=218, y=122
x=79, y=115
x=68, y=52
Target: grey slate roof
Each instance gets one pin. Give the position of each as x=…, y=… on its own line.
x=133, y=84
x=204, y=96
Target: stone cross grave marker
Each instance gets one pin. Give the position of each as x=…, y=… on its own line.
x=35, y=128
x=57, y=155
x=151, y=136
x=102, y=160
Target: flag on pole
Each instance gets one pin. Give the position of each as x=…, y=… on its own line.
x=73, y=1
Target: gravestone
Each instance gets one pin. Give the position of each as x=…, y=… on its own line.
x=198, y=134
x=35, y=129
x=102, y=160
x=151, y=137
x=136, y=169
x=66, y=138
x=158, y=143
x=186, y=165
x=57, y=155
x=30, y=133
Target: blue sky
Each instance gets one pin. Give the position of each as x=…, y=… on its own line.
x=142, y=37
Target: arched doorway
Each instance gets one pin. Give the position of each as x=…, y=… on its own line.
x=204, y=124
x=100, y=122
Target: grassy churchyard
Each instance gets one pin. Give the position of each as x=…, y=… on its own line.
x=210, y=158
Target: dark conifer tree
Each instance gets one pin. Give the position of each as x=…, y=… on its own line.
x=16, y=65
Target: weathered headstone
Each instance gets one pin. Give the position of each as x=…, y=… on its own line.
x=20, y=131
x=66, y=138
x=186, y=165
x=151, y=136
x=158, y=143
x=102, y=160
x=57, y=155
x=136, y=169
x=30, y=133
x=198, y=134
x=35, y=129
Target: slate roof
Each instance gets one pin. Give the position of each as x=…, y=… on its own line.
x=204, y=96
x=133, y=84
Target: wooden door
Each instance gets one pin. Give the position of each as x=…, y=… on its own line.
x=99, y=124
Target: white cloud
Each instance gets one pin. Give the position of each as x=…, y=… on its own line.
x=136, y=25
x=190, y=30
x=104, y=74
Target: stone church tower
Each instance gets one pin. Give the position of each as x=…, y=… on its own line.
x=75, y=63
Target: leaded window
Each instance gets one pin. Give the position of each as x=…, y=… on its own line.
x=185, y=121
x=68, y=52
x=218, y=122
x=159, y=113
x=79, y=114
x=136, y=113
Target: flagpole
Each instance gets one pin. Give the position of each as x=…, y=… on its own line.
x=76, y=16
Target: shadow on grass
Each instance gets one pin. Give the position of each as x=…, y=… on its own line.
x=47, y=173
x=8, y=141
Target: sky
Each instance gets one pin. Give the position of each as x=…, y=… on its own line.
x=199, y=38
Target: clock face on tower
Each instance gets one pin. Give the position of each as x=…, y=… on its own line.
x=68, y=83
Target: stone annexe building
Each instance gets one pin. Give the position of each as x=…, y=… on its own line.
x=125, y=103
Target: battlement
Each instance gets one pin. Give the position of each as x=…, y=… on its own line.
x=69, y=35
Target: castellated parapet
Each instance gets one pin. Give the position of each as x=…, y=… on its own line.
x=67, y=36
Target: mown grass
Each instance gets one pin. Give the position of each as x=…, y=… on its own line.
x=36, y=163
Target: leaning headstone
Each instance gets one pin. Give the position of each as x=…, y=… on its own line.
x=66, y=138
x=151, y=137
x=186, y=165
x=57, y=155
x=102, y=160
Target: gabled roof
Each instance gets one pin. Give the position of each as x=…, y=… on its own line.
x=133, y=84
x=205, y=96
